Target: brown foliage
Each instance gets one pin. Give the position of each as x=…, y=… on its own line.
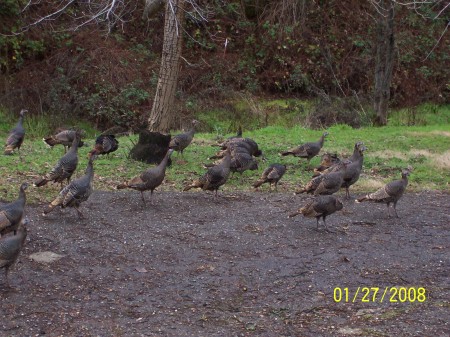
x=284, y=50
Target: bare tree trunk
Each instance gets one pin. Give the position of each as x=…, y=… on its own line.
x=384, y=61
x=162, y=113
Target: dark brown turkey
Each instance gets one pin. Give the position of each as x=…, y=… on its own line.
x=215, y=177
x=353, y=169
x=320, y=207
x=328, y=160
x=271, y=175
x=149, y=179
x=354, y=157
x=246, y=144
x=328, y=183
x=242, y=161
x=104, y=144
x=307, y=150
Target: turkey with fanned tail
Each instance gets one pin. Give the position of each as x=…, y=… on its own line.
x=104, y=144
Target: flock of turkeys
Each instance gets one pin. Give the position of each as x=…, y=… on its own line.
x=236, y=154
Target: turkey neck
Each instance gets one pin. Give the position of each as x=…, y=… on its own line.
x=75, y=143
x=358, y=156
x=192, y=131
x=22, y=195
x=20, y=122
x=227, y=159
x=322, y=140
x=90, y=169
x=163, y=164
x=405, y=179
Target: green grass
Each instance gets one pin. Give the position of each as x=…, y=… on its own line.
x=426, y=148
x=39, y=126
x=425, y=114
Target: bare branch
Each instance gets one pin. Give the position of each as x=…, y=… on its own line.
x=442, y=10
x=108, y=12
x=50, y=16
x=26, y=6
x=437, y=42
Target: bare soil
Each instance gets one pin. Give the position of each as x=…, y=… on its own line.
x=190, y=265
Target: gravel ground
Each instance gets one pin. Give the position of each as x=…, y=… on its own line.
x=192, y=265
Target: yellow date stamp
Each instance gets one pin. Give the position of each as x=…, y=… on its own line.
x=380, y=295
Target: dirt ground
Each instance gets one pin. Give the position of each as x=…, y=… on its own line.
x=189, y=265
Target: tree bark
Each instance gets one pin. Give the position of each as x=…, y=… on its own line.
x=384, y=61
x=162, y=114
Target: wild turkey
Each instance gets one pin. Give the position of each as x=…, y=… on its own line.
x=307, y=150
x=271, y=175
x=11, y=214
x=65, y=166
x=353, y=169
x=150, y=179
x=16, y=136
x=246, y=143
x=328, y=160
x=328, y=183
x=104, y=144
x=390, y=193
x=181, y=141
x=10, y=247
x=215, y=177
x=242, y=161
x=320, y=207
x=64, y=137
x=355, y=156
x=76, y=192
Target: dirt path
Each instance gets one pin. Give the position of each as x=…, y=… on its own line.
x=192, y=266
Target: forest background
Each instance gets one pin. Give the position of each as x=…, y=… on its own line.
x=243, y=62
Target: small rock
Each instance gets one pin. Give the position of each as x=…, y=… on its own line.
x=349, y=331
x=45, y=257
x=361, y=312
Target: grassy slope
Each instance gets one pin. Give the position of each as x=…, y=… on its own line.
x=426, y=148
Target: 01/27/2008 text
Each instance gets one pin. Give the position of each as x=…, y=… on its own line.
x=380, y=295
